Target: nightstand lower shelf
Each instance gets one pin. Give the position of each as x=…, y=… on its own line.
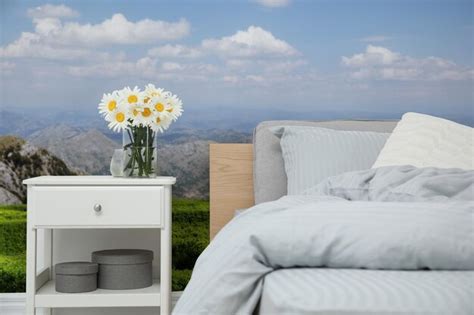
x=47, y=297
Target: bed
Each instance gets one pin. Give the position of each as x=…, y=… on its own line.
x=297, y=254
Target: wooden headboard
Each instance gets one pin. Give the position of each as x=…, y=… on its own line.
x=231, y=182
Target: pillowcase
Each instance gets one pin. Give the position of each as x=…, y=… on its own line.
x=312, y=154
x=269, y=175
x=427, y=141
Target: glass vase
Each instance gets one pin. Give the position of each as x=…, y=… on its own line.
x=116, y=164
x=140, y=156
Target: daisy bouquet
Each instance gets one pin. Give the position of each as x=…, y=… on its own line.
x=140, y=115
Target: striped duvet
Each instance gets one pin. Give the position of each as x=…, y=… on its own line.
x=353, y=222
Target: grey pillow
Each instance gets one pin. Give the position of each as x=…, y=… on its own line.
x=312, y=154
x=269, y=177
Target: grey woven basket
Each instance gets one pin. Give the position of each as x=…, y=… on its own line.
x=76, y=277
x=121, y=269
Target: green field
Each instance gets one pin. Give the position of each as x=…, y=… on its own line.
x=190, y=237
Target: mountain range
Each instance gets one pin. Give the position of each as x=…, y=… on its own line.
x=183, y=152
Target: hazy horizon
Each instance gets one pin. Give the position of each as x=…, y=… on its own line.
x=224, y=118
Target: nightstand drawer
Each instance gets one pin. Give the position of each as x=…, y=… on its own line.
x=98, y=205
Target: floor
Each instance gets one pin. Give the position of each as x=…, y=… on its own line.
x=14, y=304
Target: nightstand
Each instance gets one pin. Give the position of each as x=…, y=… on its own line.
x=96, y=202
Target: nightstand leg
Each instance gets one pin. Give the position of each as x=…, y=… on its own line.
x=30, y=270
x=165, y=255
x=48, y=258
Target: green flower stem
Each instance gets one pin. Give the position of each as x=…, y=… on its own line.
x=140, y=152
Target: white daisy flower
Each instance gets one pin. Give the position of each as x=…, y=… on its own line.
x=151, y=91
x=108, y=104
x=131, y=97
x=159, y=104
x=161, y=122
x=154, y=107
x=174, y=107
x=118, y=119
x=142, y=115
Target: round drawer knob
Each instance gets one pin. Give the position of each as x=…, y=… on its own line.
x=97, y=207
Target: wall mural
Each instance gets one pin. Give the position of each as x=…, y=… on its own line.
x=233, y=64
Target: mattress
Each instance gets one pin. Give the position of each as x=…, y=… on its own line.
x=357, y=291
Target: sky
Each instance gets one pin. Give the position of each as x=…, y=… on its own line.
x=377, y=58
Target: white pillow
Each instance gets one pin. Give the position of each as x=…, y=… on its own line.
x=428, y=141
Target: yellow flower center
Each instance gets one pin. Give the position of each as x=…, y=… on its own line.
x=146, y=99
x=112, y=105
x=146, y=112
x=132, y=99
x=170, y=110
x=120, y=117
x=158, y=120
x=135, y=112
x=159, y=107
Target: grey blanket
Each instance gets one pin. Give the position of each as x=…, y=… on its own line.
x=399, y=183
x=399, y=218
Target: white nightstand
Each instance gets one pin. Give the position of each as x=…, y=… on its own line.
x=96, y=202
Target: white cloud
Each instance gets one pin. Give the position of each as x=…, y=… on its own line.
x=190, y=68
x=54, y=11
x=146, y=68
x=274, y=3
x=252, y=42
x=267, y=72
x=113, y=68
x=175, y=51
x=381, y=63
x=245, y=80
x=374, y=38
x=33, y=45
x=374, y=55
x=54, y=39
x=252, y=56
x=238, y=64
x=116, y=30
x=171, y=66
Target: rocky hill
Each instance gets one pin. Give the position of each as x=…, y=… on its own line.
x=84, y=151
x=20, y=160
x=189, y=163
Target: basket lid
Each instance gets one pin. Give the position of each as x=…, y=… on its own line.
x=76, y=268
x=122, y=256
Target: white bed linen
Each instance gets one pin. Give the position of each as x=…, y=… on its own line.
x=428, y=141
x=338, y=226
x=354, y=291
